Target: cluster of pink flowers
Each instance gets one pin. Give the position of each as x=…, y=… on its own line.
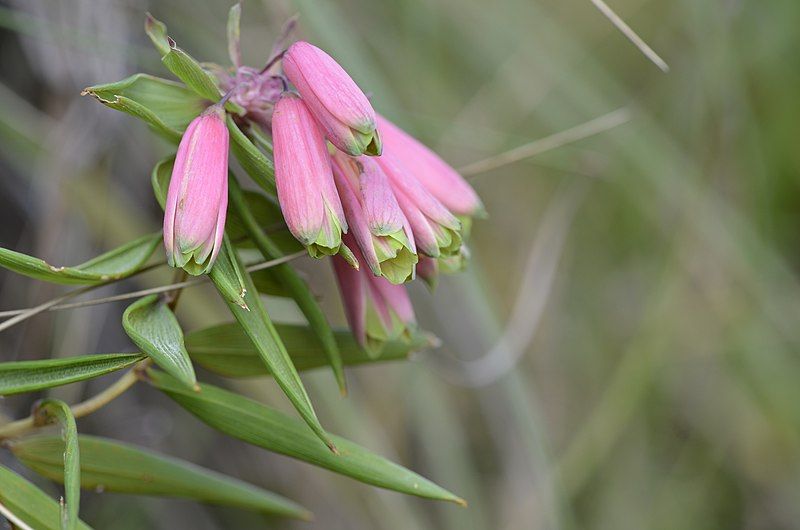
x=350, y=184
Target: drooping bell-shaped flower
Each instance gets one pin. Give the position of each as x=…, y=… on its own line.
x=437, y=232
x=303, y=177
x=376, y=309
x=441, y=180
x=375, y=219
x=197, y=199
x=340, y=107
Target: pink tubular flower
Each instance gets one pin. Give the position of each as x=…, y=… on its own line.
x=197, y=200
x=376, y=309
x=306, y=191
x=375, y=219
x=340, y=107
x=437, y=232
x=441, y=180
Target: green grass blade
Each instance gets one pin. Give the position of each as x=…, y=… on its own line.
x=113, y=265
x=152, y=326
x=51, y=410
x=124, y=468
x=225, y=349
x=260, y=425
x=29, y=376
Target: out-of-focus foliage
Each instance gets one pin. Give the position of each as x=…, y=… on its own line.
x=622, y=350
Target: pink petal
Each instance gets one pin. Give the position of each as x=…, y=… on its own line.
x=380, y=205
x=441, y=180
x=302, y=168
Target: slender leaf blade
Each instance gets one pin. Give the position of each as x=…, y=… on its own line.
x=30, y=504
x=47, y=411
x=291, y=280
x=113, y=265
x=166, y=106
x=255, y=322
x=184, y=66
x=29, y=376
x=123, y=468
x=152, y=326
x=225, y=349
x=265, y=427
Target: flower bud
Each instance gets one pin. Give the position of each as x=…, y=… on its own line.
x=441, y=180
x=375, y=219
x=376, y=309
x=340, y=107
x=306, y=192
x=437, y=232
x=197, y=200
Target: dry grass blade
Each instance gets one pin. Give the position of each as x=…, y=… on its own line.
x=537, y=147
x=631, y=35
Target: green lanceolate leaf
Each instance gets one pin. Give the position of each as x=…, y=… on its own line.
x=184, y=66
x=253, y=160
x=28, y=504
x=166, y=106
x=226, y=350
x=291, y=280
x=29, y=376
x=123, y=468
x=53, y=410
x=255, y=322
x=152, y=326
x=260, y=425
x=114, y=265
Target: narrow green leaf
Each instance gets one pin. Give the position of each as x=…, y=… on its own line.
x=225, y=349
x=234, y=22
x=152, y=326
x=291, y=280
x=253, y=160
x=265, y=427
x=29, y=376
x=166, y=106
x=49, y=411
x=30, y=504
x=184, y=66
x=114, y=265
x=255, y=322
x=124, y=468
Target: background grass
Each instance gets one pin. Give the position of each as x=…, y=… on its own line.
x=622, y=352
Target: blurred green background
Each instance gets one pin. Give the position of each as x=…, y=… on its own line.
x=622, y=352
